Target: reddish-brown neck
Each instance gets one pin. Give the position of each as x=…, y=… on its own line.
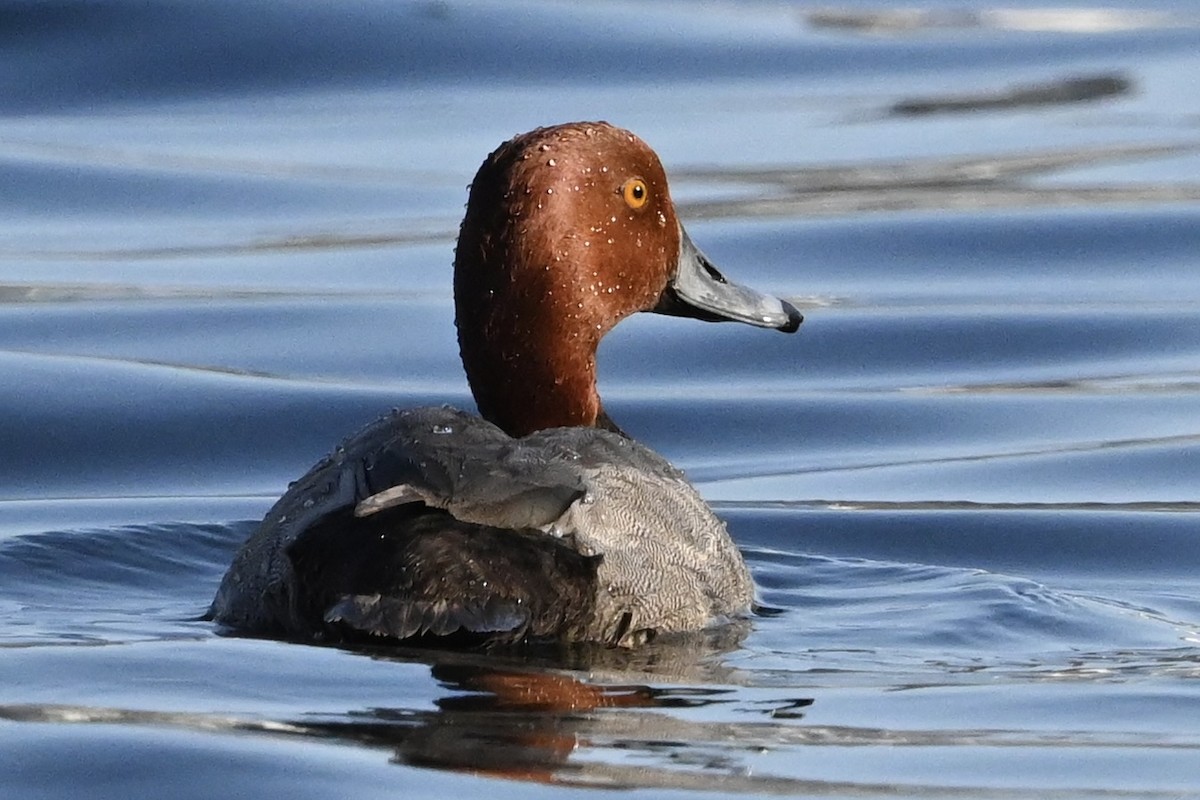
x=529, y=381
x=527, y=335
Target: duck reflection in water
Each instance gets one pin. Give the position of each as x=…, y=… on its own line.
x=524, y=723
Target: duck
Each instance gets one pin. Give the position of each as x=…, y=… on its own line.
x=538, y=519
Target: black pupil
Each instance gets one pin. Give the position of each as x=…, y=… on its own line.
x=639, y=191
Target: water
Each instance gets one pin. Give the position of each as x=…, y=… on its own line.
x=967, y=487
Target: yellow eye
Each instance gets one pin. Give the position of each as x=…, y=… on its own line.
x=635, y=193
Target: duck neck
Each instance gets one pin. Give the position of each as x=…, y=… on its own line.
x=526, y=379
x=528, y=312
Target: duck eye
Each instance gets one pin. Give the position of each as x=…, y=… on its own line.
x=635, y=193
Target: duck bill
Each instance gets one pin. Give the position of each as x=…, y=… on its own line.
x=699, y=290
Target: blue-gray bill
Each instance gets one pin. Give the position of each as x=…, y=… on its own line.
x=699, y=290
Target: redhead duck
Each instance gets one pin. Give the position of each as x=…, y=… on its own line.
x=541, y=520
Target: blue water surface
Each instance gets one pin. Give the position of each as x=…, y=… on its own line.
x=967, y=489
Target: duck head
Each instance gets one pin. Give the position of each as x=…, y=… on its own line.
x=568, y=230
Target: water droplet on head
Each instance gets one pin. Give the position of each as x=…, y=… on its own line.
x=551, y=162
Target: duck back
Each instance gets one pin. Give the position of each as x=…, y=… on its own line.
x=433, y=524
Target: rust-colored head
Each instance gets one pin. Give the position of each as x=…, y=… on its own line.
x=569, y=230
